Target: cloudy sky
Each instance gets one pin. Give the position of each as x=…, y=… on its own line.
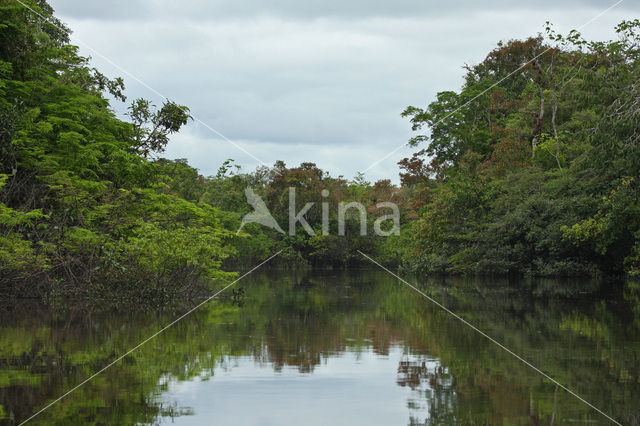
x=322, y=80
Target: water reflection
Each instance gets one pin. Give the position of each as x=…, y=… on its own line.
x=352, y=347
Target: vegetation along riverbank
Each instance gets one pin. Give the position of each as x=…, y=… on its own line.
x=528, y=173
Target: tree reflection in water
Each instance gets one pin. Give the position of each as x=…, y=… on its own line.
x=304, y=320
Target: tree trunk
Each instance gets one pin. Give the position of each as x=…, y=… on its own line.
x=539, y=120
x=554, y=110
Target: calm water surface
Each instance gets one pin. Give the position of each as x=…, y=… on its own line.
x=353, y=347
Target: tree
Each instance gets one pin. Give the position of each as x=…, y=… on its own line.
x=151, y=130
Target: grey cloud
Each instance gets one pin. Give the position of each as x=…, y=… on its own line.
x=308, y=9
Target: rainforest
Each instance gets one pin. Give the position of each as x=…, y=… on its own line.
x=523, y=189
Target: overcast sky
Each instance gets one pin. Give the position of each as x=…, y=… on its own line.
x=322, y=81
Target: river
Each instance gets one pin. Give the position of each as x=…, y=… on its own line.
x=340, y=348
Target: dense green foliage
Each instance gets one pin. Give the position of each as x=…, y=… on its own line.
x=532, y=172
x=327, y=248
x=82, y=202
x=535, y=171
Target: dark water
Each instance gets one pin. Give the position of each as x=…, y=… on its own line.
x=353, y=347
